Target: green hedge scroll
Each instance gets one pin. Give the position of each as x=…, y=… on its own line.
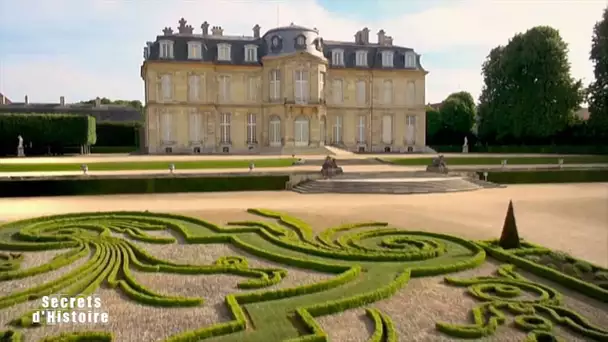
x=537, y=312
x=366, y=262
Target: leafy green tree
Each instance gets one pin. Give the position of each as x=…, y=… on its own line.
x=129, y=103
x=598, y=90
x=433, y=124
x=528, y=94
x=458, y=113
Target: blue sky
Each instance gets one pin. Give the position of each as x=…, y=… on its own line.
x=81, y=49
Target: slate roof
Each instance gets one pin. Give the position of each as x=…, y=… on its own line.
x=288, y=36
x=102, y=113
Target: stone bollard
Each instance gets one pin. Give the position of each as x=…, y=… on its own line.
x=503, y=163
x=560, y=162
x=84, y=168
x=485, y=176
x=171, y=168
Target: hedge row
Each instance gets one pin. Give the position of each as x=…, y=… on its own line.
x=109, y=186
x=11, y=336
x=576, y=284
x=118, y=133
x=555, y=176
x=499, y=295
x=546, y=149
x=47, y=129
x=88, y=336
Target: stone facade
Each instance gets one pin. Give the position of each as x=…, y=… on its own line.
x=289, y=89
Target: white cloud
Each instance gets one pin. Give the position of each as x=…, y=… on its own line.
x=474, y=24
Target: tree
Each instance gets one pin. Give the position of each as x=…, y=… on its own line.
x=509, y=237
x=458, y=114
x=129, y=103
x=598, y=90
x=433, y=124
x=528, y=94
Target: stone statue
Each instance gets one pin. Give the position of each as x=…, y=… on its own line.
x=465, y=146
x=20, y=152
x=330, y=167
x=438, y=165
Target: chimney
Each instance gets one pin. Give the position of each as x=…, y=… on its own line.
x=217, y=31
x=27, y=101
x=388, y=41
x=62, y=101
x=256, y=31
x=358, y=38
x=365, y=35
x=381, y=37
x=97, y=102
x=205, y=27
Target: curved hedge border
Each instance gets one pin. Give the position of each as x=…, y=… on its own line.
x=517, y=258
x=113, y=257
x=535, y=315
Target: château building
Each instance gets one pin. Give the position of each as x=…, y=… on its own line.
x=285, y=90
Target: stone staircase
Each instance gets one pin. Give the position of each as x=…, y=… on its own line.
x=415, y=183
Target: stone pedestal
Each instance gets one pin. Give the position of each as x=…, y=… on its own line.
x=465, y=149
x=20, y=152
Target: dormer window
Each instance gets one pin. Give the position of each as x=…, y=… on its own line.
x=195, y=50
x=166, y=49
x=361, y=58
x=410, y=60
x=146, y=52
x=251, y=53
x=275, y=41
x=337, y=57
x=301, y=40
x=223, y=52
x=387, y=59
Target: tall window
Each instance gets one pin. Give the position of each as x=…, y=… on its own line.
x=225, y=128
x=387, y=92
x=223, y=52
x=322, y=76
x=193, y=87
x=387, y=129
x=251, y=53
x=337, y=130
x=166, y=49
x=301, y=90
x=361, y=96
x=166, y=87
x=387, y=59
x=167, y=127
x=251, y=129
x=275, y=84
x=361, y=58
x=337, y=57
x=224, y=88
x=195, y=50
x=411, y=93
x=338, y=91
x=410, y=134
x=195, y=126
x=252, y=89
x=361, y=129
x=410, y=60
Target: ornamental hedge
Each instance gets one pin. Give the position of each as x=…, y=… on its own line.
x=46, y=130
x=364, y=262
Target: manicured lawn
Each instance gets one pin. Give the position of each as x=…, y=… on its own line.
x=156, y=165
x=498, y=160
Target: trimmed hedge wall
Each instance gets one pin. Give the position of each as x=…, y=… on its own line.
x=118, y=133
x=109, y=186
x=548, y=149
x=538, y=177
